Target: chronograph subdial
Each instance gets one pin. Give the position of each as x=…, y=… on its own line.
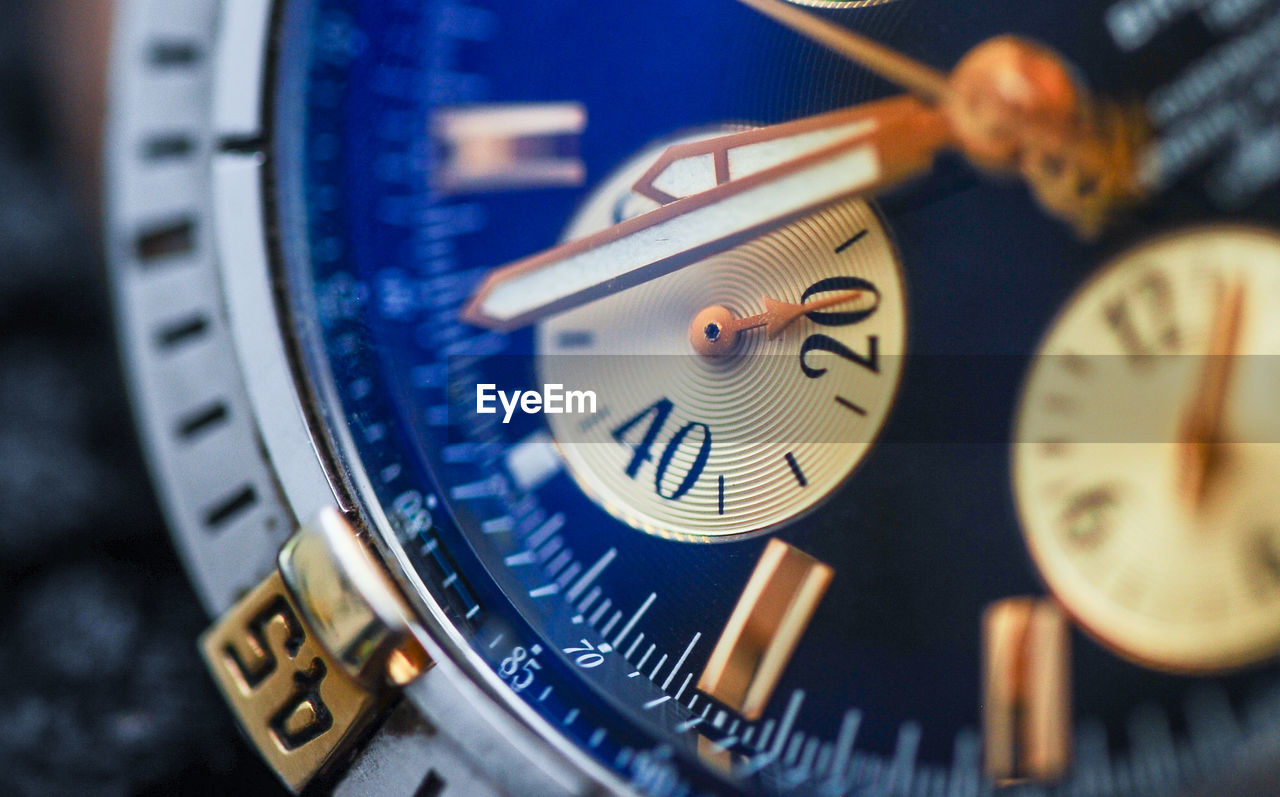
x=1145, y=444
x=695, y=441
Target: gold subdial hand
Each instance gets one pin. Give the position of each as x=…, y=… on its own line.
x=714, y=331
x=1202, y=428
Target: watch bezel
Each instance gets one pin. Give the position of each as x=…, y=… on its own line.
x=165, y=76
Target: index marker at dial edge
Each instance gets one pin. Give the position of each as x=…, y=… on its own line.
x=764, y=629
x=1026, y=703
x=676, y=235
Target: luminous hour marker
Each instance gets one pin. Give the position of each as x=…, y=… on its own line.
x=533, y=461
x=764, y=629
x=509, y=147
x=1026, y=689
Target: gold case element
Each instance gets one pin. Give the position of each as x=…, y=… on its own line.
x=308, y=659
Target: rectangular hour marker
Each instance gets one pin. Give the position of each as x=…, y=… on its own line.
x=484, y=148
x=765, y=627
x=533, y=461
x=222, y=514
x=1026, y=690
x=168, y=147
x=203, y=420
x=795, y=469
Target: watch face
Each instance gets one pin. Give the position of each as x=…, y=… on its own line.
x=756, y=423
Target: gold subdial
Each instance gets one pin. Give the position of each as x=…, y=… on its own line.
x=1147, y=449
x=735, y=394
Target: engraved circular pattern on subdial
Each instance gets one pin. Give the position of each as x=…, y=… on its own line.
x=1162, y=540
x=698, y=447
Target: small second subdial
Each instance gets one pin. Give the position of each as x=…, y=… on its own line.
x=735, y=394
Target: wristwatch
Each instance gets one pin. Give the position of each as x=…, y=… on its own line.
x=805, y=397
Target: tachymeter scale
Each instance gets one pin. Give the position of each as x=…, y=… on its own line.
x=1145, y=453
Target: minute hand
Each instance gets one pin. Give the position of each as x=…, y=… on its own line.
x=762, y=179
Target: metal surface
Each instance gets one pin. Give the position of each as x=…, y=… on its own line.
x=239, y=219
x=290, y=694
x=215, y=485
x=349, y=604
x=186, y=296
x=239, y=86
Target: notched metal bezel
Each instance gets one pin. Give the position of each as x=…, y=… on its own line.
x=203, y=327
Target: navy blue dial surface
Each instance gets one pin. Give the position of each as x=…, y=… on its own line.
x=602, y=628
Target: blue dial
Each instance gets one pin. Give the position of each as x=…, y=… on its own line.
x=597, y=561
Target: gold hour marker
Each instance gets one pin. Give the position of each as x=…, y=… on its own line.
x=1026, y=690
x=765, y=627
x=509, y=147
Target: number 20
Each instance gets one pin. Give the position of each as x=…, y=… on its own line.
x=870, y=360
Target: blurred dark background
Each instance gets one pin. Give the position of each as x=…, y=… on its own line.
x=101, y=690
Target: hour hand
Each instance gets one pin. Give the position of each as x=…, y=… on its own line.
x=715, y=195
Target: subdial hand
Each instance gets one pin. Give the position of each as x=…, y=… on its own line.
x=715, y=330
x=1202, y=427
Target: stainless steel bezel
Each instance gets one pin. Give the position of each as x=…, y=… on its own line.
x=225, y=508
x=222, y=401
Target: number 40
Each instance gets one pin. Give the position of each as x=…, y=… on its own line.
x=690, y=434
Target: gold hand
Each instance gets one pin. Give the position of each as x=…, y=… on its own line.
x=1202, y=428
x=1013, y=106
x=714, y=331
x=920, y=79
x=809, y=164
